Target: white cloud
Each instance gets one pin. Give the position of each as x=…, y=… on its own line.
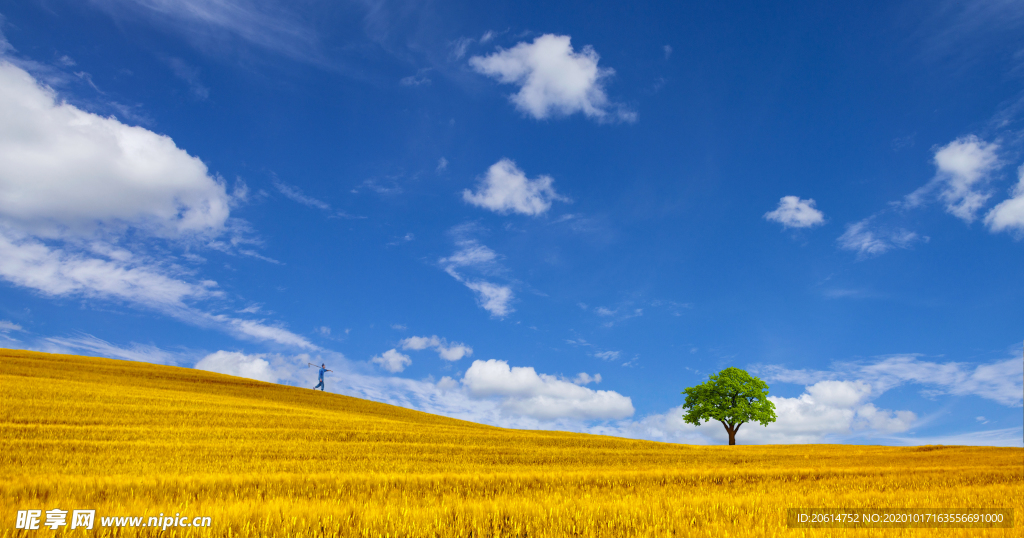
x=68, y=171
x=525, y=392
x=6, y=326
x=866, y=241
x=259, y=330
x=608, y=355
x=57, y=272
x=584, y=378
x=796, y=213
x=963, y=168
x=829, y=408
x=602, y=311
x=392, y=361
x=239, y=364
x=1000, y=381
x=209, y=23
x=72, y=185
x=419, y=343
x=553, y=79
x=492, y=297
x=419, y=79
x=296, y=195
x=839, y=393
x=668, y=51
x=471, y=254
x=442, y=165
x=1001, y=437
x=448, y=352
x=828, y=411
x=505, y=188
x=834, y=409
x=1008, y=215
x=102, y=348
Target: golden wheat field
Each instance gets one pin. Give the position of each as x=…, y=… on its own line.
x=132, y=439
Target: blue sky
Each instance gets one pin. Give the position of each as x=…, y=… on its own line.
x=534, y=216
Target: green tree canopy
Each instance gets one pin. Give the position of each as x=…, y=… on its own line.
x=732, y=397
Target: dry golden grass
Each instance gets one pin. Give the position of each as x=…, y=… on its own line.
x=134, y=439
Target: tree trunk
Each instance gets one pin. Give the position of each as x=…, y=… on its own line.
x=732, y=431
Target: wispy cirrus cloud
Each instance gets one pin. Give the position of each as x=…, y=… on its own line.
x=132, y=352
x=999, y=381
x=268, y=25
x=868, y=238
x=296, y=195
x=495, y=298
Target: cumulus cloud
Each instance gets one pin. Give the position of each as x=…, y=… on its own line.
x=796, y=213
x=66, y=170
x=449, y=352
x=525, y=392
x=867, y=239
x=1008, y=215
x=505, y=188
x=392, y=361
x=834, y=407
x=74, y=184
x=963, y=168
x=240, y=365
x=553, y=79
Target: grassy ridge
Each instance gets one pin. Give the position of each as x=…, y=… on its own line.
x=135, y=439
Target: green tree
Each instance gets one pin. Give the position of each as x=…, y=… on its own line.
x=732, y=397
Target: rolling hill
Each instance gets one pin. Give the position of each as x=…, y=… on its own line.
x=135, y=440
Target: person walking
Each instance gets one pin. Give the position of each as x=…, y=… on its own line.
x=323, y=368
